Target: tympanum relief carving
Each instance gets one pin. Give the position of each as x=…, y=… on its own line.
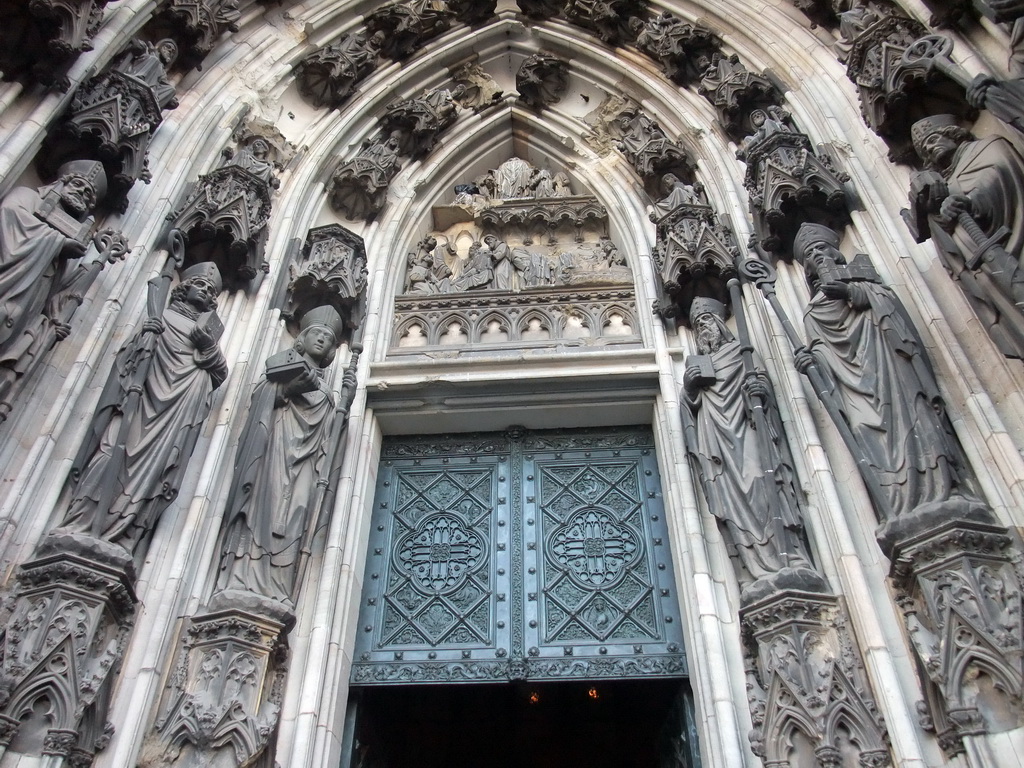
x=516, y=258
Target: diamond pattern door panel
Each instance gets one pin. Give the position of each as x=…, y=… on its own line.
x=519, y=555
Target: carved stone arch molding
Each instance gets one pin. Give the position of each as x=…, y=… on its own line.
x=635, y=380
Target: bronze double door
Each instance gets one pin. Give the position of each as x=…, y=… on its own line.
x=515, y=556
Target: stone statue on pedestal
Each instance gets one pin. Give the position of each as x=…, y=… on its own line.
x=40, y=231
x=280, y=459
x=747, y=482
x=970, y=201
x=150, y=415
x=860, y=334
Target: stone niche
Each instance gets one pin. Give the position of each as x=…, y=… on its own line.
x=518, y=259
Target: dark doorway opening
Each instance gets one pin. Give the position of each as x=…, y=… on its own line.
x=602, y=724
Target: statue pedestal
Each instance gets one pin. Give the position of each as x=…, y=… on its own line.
x=72, y=612
x=225, y=692
x=803, y=672
x=956, y=576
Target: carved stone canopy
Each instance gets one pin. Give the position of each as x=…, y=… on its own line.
x=329, y=76
x=540, y=9
x=695, y=254
x=42, y=39
x=331, y=272
x=196, y=25
x=610, y=21
x=417, y=123
x=735, y=92
x=679, y=46
x=408, y=26
x=73, y=609
x=896, y=92
x=225, y=213
x=648, y=149
x=788, y=184
x=542, y=80
x=113, y=116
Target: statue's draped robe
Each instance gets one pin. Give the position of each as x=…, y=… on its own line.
x=274, y=494
x=161, y=435
x=888, y=393
x=29, y=268
x=730, y=459
x=508, y=268
x=991, y=173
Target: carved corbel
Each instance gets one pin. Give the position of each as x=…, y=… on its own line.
x=73, y=609
x=225, y=214
x=807, y=686
x=225, y=692
x=958, y=580
x=542, y=80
